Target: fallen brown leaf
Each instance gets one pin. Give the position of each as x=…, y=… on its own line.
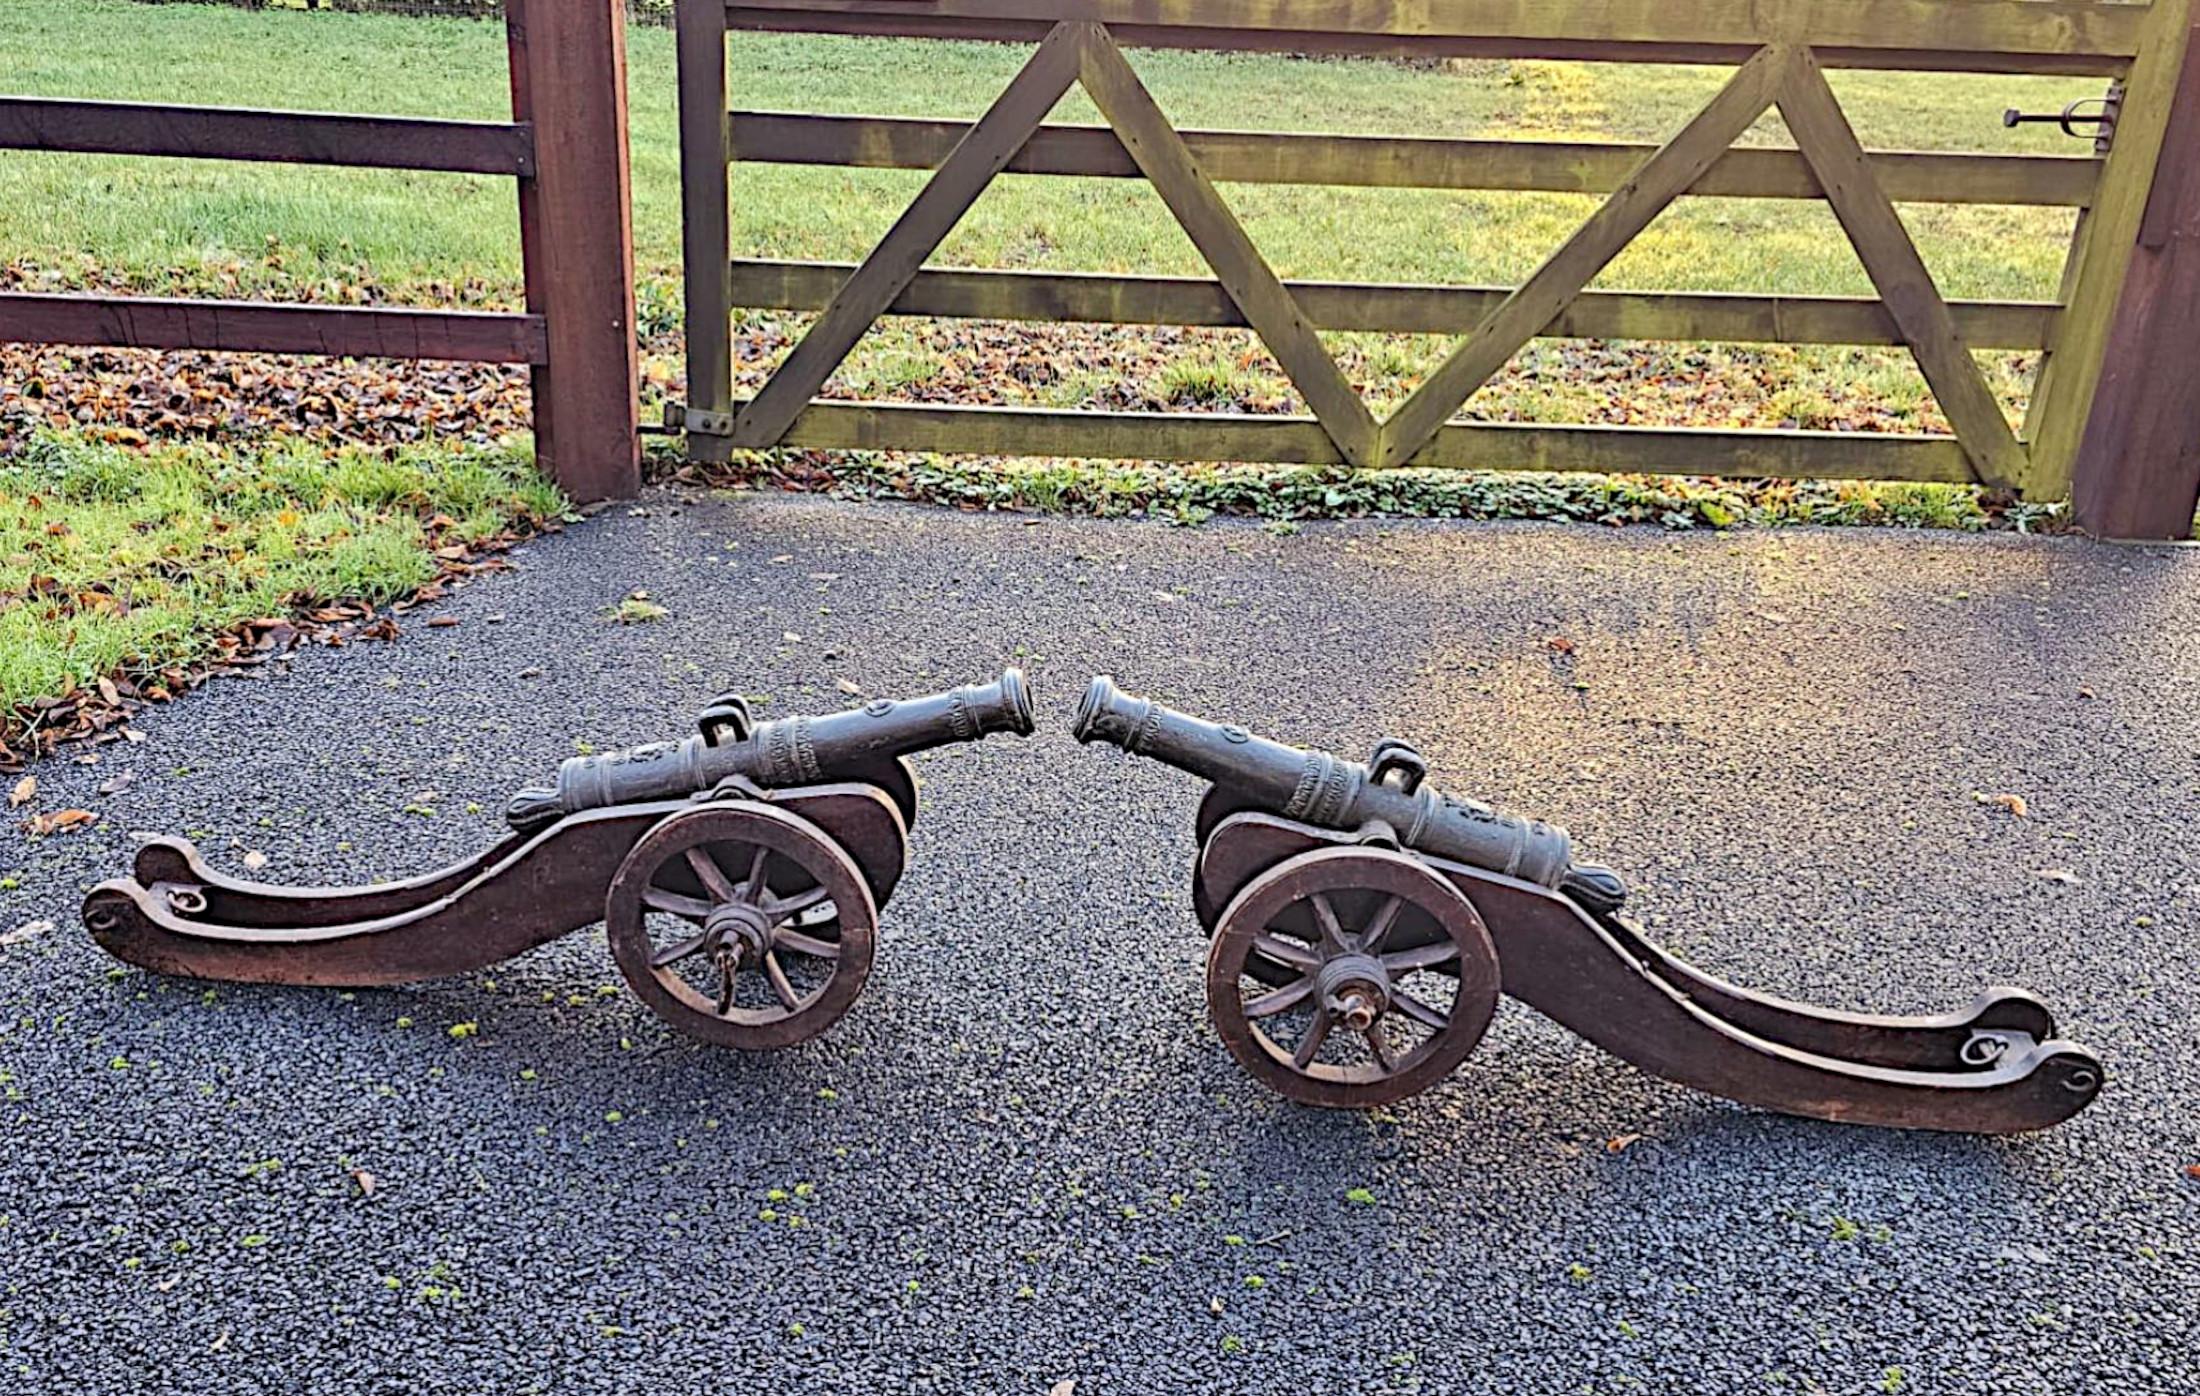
x=2013, y=803
x=442, y=622
x=1561, y=644
x=23, y=791
x=365, y=1180
x=1618, y=1142
x=27, y=931
x=60, y=821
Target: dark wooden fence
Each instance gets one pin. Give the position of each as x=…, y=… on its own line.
x=1779, y=50
x=566, y=146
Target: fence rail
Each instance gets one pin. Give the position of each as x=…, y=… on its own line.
x=1410, y=162
x=145, y=322
x=294, y=137
x=1096, y=298
x=565, y=147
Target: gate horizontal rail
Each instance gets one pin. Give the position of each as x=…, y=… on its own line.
x=2069, y=37
x=1224, y=436
x=1410, y=162
x=1779, y=51
x=1099, y=298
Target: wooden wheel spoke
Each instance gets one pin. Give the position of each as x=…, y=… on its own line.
x=805, y=945
x=733, y=975
x=1277, y=1000
x=1339, y=931
x=1427, y=956
x=713, y=877
x=679, y=950
x=1311, y=1044
x=1377, y=1045
x=1427, y=1015
x=1288, y=952
x=1335, y=940
x=693, y=908
x=754, y=888
x=1379, y=928
x=781, y=985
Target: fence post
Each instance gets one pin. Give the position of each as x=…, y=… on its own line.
x=706, y=148
x=577, y=235
x=2138, y=466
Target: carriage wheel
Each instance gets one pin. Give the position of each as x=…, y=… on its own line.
x=742, y=925
x=1350, y=977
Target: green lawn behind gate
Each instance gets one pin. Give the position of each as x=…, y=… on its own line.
x=417, y=232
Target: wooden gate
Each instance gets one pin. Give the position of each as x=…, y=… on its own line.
x=1779, y=50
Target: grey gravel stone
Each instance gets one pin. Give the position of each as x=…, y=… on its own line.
x=1023, y=1155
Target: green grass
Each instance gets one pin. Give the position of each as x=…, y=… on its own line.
x=122, y=562
x=1287, y=496
x=413, y=231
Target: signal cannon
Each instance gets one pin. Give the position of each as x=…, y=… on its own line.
x=1362, y=926
x=738, y=873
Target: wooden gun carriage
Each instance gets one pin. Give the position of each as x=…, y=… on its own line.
x=1363, y=926
x=738, y=873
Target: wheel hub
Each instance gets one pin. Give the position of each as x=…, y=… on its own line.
x=741, y=929
x=1355, y=989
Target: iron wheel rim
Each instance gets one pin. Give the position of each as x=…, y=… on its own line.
x=742, y=878
x=1368, y=896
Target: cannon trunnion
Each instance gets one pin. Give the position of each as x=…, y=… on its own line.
x=739, y=875
x=1362, y=927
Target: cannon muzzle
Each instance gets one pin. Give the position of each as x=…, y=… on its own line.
x=850, y=745
x=1317, y=788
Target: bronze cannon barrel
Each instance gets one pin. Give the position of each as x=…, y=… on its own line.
x=1317, y=788
x=784, y=752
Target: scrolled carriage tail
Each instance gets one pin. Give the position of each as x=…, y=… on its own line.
x=1389, y=792
x=856, y=745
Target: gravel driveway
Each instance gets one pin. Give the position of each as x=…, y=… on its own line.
x=1024, y=1160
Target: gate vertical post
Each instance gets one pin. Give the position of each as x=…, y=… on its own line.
x=2138, y=466
x=577, y=235
x=706, y=239
x=2070, y=372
